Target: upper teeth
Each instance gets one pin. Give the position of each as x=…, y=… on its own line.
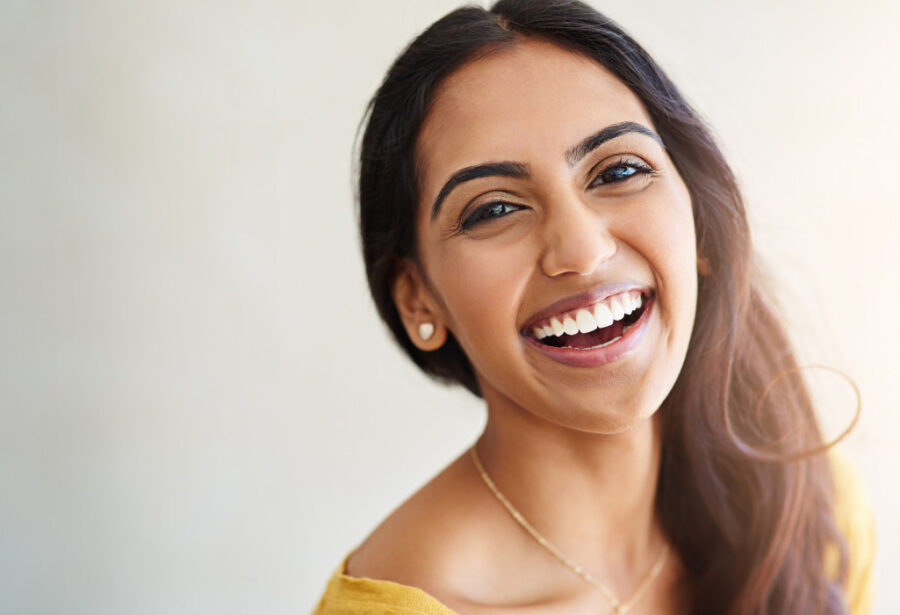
x=587, y=319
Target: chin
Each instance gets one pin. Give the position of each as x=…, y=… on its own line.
x=589, y=410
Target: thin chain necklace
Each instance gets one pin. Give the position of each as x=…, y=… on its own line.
x=618, y=608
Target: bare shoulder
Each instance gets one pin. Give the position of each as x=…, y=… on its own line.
x=444, y=540
x=425, y=534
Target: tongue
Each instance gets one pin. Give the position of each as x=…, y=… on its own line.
x=594, y=338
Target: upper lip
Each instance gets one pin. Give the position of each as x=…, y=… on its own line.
x=587, y=298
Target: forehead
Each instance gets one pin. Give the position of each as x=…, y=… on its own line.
x=524, y=103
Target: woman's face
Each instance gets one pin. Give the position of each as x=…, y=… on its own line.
x=549, y=210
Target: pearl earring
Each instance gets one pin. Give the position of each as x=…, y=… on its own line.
x=426, y=330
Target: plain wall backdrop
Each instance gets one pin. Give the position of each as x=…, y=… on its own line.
x=200, y=411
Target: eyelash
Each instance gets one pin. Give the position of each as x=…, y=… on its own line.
x=640, y=168
x=480, y=214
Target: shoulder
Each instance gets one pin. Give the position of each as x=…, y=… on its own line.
x=348, y=595
x=436, y=548
x=450, y=547
x=419, y=539
x=855, y=521
x=399, y=568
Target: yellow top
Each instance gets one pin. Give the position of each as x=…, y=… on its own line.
x=346, y=595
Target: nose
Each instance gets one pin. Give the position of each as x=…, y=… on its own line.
x=576, y=238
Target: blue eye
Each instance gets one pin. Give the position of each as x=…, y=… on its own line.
x=488, y=211
x=620, y=171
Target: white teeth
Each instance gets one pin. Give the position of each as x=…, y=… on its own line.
x=585, y=321
x=602, y=315
x=615, y=306
x=556, y=326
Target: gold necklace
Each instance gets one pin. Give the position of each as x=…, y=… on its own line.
x=618, y=608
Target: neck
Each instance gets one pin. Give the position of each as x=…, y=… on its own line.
x=590, y=495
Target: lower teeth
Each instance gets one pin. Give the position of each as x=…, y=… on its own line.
x=612, y=341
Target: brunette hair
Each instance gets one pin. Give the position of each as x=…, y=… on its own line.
x=751, y=526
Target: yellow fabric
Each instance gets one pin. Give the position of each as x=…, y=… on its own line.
x=853, y=515
x=346, y=595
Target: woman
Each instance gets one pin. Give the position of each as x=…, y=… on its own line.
x=547, y=222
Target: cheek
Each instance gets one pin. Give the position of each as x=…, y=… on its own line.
x=481, y=288
x=662, y=230
x=679, y=249
x=668, y=226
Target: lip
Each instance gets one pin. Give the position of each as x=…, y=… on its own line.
x=600, y=356
x=591, y=297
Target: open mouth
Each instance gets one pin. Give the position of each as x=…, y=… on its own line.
x=593, y=326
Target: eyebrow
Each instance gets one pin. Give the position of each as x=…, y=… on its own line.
x=491, y=169
x=518, y=170
x=610, y=132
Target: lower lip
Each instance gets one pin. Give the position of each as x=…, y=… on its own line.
x=595, y=357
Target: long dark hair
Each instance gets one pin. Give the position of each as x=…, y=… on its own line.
x=751, y=531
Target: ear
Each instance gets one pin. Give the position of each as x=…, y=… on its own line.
x=703, y=266
x=417, y=307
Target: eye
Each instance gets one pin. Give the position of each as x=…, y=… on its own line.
x=620, y=171
x=486, y=212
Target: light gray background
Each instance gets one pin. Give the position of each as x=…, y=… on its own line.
x=200, y=412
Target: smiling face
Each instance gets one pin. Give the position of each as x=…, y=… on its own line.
x=548, y=205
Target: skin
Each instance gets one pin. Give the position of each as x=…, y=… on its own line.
x=575, y=449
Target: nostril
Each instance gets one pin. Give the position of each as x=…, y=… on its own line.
x=579, y=257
